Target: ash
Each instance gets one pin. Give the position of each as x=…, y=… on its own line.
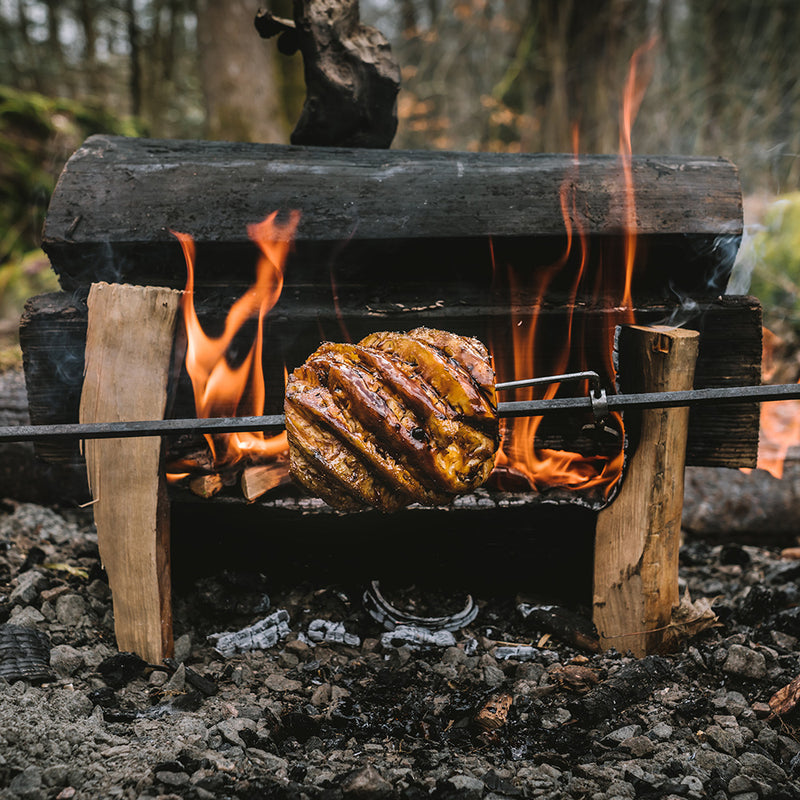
x=330, y=719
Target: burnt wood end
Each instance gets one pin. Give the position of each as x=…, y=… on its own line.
x=351, y=78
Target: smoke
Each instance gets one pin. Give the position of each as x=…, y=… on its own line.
x=745, y=263
x=726, y=251
x=110, y=266
x=682, y=313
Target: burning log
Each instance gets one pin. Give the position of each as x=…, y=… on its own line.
x=359, y=110
x=53, y=338
x=426, y=217
x=258, y=480
x=131, y=509
x=206, y=485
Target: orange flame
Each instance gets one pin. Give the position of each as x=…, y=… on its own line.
x=545, y=468
x=780, y=420
x=220, y=389
x=631, y=101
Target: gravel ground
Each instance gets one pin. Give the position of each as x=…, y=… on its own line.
x=373, y=717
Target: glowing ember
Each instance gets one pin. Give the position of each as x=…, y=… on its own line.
x=779, y=427
x=220, y=389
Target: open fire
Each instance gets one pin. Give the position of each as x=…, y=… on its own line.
x=524, y=463
x=525, y=252
x=779, y=429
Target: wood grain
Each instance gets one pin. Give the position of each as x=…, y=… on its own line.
x=129, y=343
x=392, y=214
x=637, y=537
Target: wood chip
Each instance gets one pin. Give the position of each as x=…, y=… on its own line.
x=785, y=699
x=493, y=714
x=206, y=485
x=259, y=480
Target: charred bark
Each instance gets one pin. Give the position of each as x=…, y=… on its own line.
x=351, y=79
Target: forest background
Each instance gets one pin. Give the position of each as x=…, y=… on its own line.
x=491, y=75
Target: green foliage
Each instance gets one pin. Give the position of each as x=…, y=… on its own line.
x=37, y=136
x=776, y=258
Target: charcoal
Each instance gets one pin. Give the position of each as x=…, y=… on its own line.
x=197, y=681
x=759, y=603
x=416, y=638
x=121, y=668
x=262, y=635
x=322, y=630
x=631, y=683
x=563, y=623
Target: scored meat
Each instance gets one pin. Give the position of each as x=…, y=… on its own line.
x=398, y=418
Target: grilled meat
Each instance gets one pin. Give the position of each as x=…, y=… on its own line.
x=396, y=419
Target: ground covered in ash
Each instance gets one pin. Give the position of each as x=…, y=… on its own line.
x=373, y=717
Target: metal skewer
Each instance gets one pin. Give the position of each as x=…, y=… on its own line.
x=519, y=408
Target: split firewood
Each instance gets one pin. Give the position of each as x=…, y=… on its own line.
x=351, y=78
x=206, y=485
x=260, y=479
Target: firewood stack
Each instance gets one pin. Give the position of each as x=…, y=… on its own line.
x=394, y=241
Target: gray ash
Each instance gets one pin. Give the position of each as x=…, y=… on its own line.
x=326, y=719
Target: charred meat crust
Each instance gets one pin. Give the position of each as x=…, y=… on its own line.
x=398, y=418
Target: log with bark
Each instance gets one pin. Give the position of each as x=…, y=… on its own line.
x=390, y=229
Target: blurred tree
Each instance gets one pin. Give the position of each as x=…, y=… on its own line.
x=477, y=74
x=239, y=75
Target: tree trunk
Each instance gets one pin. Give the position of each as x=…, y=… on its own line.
x=239, y=76
x=135, y=82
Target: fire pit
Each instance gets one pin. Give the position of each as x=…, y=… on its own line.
x=531, y=254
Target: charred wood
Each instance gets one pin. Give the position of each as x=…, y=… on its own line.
x=426, y=217
x=53, y=335
x=564, y=624
x=630, y=684
x=359, y=111
x=206, y=485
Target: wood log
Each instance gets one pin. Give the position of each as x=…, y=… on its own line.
x=730, y=354
x=129, y=343
x=206, y=485
x=390, y=220
x=637, y=537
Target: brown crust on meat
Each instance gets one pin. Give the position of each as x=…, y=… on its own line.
x=395, y=419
